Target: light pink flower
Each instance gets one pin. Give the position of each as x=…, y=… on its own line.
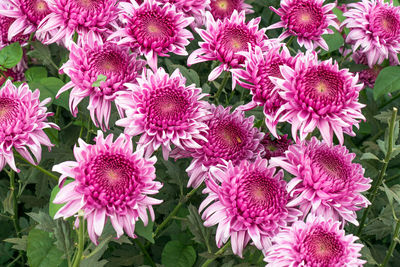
x=326, y=182
x=319, y=95
x=308, y=20
x=224, y=38
x=154, y=29
x=248, y=202
x=316, y=242
x=375, y=29
x=165, y=111
x=85, y=65
x=110, y=181
x=22, y=120
x=276, y=147
x=221, y=9
x=231, y=136
x=68, y=17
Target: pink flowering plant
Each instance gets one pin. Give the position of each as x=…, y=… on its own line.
x=199, y=133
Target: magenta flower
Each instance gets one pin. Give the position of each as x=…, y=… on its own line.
x=326, y=182
x=248, y=203
x=13, y=74
x=276, y=147
x=84, y=67
x=191, y=8
x=22, y=120
x=154, y=30
x=165, y=111
x=375, y=29
x=318, y=94
x=308, y=20
x=70, y=16
x=231, y=137
x=221, y=9
x=368, y=76
x=316, y=242
x=224, y=38
x=110, y=181
x=259, y=67
x=5, y=24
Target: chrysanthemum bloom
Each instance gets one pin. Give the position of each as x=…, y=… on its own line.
x=110, y=181
x=26, y=15
x=165, y=111
x=221, y=9
x=224, y=38
x=316, y=242
x=276, y=147
x=5, y=24
x=326, y=182
x=375, y=29
x=308, y=20
x=13, y=74
x=191, y=8
x=84, y=67
x=259, y=67
x=80, y=16
x=153, y=29
x=231, y=137
x=248, y=203
x=368, y=76
x=22, y=120
x=318, y=94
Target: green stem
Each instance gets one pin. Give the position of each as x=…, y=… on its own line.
x=54, y=177
x=144, y=251
x=392, y=244
x=290, y=41
x=14, y=217
x=217, y=254
x=222, y=86
x=81, y=242
x=346, y=57
x=374, y=189
x=174, y=212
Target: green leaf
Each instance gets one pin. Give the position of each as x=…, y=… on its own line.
x=176, y=254
x=53, y=208
x=35, y=73
x=145, y=231
x=48, y=88
x=334, y=41
x=191, y=76
x=43, y=54
x=388, y=81
x=385, y=117
x=19, y=243
x=201, y=234
x=369, y=155
x=45, y=222
x=100, y=78
x=40, y=250
x=10, y=55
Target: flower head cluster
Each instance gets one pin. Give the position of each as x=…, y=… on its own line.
x=326, y=182
x=316, y=242
x=308, y=20
x=22, y=120
x=110, y=181
x=248, y=203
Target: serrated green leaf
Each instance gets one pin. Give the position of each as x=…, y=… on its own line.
x=382, y=146
x=201, y=234
x=8, y=203
x=10, y=55
x=176, y=254
x=19, y=243
x=145, y=231
x=388, y=81
x=42, y=53
x=385, y=117
x=45, y=222
x=41, y=251
x=35, y=73
x=63, y=235
x=100, y=78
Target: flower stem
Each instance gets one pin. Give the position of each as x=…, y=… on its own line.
x=54, y=177
x=222, y=86
x=144, y=251
x=218, y=253
x=81, y=242
x=392, y=244
x=374, y=189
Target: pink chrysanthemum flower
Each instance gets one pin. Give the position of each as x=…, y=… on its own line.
x=80, y=16
x=26, y=15
x=375, y=28
x=318, y=94
x=308, y=20
x=84, y=67
x=155, y=30
x=315, y=243
x=276, y=147
x=110, y=181
x=22, y=120
x=165, y=111
x=326, y=182
x=12, y=74
x=5, y=24
x=221, y=9
x=224, y=38
x=231, y=137
x=191, y=8
x=368, y=76
x=259, y=67
x=248, y=203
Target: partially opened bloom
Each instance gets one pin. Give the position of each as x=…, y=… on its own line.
x=224, y=38
x=319, y=94
x=110, y=180
x=85, y=65
x=154, y=29
x=165, y=111
x=231, y=136
x=248, y=202
x=308, y=20
x=326, y=182
x=315, y=243
x=68, y=17
x=22, y=120
x=221, y=9
x=375, y=29
x=276, y=147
